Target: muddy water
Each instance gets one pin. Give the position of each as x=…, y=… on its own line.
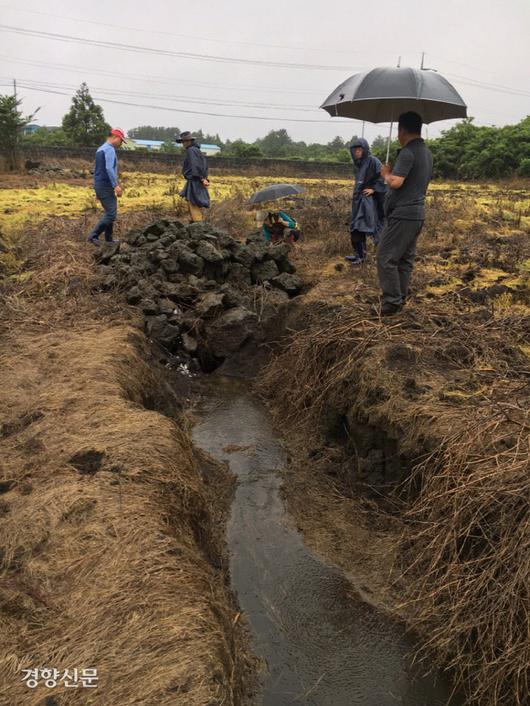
x=322, y=645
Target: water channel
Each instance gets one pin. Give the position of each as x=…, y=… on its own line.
x=323, y=646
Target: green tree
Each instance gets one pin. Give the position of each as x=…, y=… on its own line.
x=167, y=146
x=336, y=145
x=84, y=123
x=12, y=122
x=276, y=143
x=379, y=147
x=150, y=132
x=55, y=137
x=241, y=150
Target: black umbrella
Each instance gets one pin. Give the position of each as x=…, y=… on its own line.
x=382, y=94
x=275, y=191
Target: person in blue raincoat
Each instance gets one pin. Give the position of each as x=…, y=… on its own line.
x=195, y=171
x=367, y=201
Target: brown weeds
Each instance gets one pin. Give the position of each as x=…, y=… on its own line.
x=109, y=558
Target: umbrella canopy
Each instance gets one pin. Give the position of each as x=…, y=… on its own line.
x=275, y=191
x=382, y=94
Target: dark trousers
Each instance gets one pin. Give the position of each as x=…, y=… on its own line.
x=395, y=258
x=108, y=200
x=358, y=243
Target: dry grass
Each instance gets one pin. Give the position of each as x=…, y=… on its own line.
x=109, y=556
x=468, y=549
x=448, y=381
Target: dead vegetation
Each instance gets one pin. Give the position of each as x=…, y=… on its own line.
x=110, y=557
x=448, y=381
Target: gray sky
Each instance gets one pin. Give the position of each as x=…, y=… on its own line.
x=472, y=42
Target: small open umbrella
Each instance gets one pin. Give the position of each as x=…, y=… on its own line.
x=275, y=191
x=382, y=94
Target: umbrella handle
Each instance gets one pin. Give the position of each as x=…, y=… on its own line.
x=389, y=141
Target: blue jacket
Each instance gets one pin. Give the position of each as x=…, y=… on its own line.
x=367, y=211
x=266, y=231
x=106, y=168
x=194, y=170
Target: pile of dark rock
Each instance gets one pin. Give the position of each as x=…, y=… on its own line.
x=204, y=295
x=55, y=170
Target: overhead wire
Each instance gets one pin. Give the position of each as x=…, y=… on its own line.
x=104, y=99
x=29, y=83
x=159, y=79
x=193, y=37
x=56, y=36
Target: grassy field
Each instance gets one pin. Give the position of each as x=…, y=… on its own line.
x=447, y=380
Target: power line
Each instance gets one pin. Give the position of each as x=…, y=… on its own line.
x=159, y=79
x=489, y=86
x=167, y=52
x=193, y=37
x=27, y=83
x=198, y=112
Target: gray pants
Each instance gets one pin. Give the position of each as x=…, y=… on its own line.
x=395, y=258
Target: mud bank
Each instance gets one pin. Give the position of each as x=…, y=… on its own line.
x=409, y=441
x=112, y=558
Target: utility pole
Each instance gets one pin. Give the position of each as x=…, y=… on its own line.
x=422, y=59
x=15, y=88
x=362, y=133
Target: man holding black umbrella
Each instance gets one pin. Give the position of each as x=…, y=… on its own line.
x=404, y=213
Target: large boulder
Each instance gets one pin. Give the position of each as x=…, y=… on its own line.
x=189, y=262
x=230, y=331
x=292, y=284
x=209, y=305
x=208, y=252
x=134, y=295
x=156, y=229
x=264, y=271
x=106, y=252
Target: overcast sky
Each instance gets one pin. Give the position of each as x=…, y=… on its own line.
x=481, y=46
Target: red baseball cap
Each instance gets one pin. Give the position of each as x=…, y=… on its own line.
x=118, y=133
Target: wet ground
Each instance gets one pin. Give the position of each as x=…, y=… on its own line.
x=323, y=646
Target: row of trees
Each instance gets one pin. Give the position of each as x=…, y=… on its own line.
x=465, y=151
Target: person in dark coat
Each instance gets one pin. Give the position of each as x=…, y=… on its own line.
x=367, y=200
x=195, y=171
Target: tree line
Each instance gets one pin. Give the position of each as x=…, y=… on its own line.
x=465, y=151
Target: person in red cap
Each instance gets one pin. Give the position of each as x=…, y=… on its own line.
x=106, y=185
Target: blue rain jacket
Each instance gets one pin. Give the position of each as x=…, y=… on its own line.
x=367, y=211
x=194, y=169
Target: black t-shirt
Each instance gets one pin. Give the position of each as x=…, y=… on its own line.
x=414, y=162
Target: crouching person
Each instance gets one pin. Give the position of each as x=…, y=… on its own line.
x=279, y=226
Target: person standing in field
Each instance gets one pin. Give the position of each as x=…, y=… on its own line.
x=367, y=201
x=106, y=185
x=404, y=213
x=195, y=171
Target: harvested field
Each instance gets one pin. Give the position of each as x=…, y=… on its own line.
x=408, y=439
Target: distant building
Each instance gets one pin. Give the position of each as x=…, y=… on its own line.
x=155, y=145
x=30, y=129
x=149, y=144
x=210, y=150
